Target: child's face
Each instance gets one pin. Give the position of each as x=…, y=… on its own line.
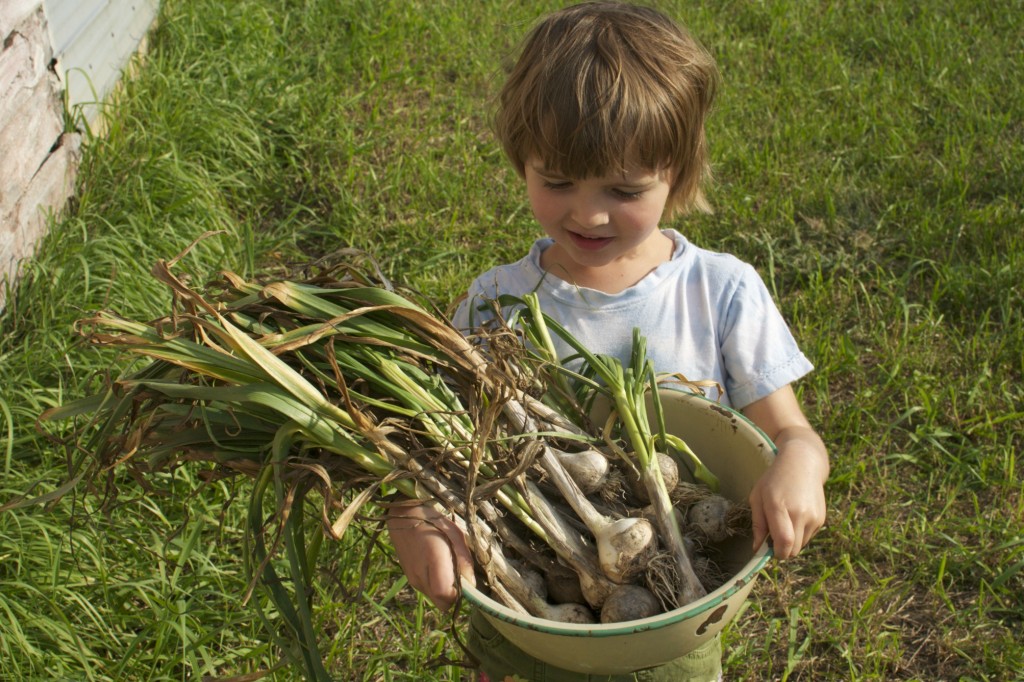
x=605, y=228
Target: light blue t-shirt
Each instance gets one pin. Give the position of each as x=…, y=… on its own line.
x=706, y=315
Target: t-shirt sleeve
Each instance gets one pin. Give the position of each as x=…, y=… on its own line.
x=476, y=308
x=461, y=316
x=759, y=351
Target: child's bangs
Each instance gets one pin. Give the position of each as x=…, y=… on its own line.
x=617, y=132
x=602, y=144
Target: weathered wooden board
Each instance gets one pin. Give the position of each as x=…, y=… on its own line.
x=24, y=56
x=13, y=12
x=52, y=51
x=31, y=116
x=44, y=194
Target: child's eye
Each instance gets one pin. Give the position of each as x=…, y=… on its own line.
x=551, y=184
x=627, y=195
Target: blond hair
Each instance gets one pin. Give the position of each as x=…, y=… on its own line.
x=600, y=86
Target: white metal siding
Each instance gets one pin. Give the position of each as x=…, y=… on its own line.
x=92, y=43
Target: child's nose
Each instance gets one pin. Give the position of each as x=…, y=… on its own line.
x=588, y=212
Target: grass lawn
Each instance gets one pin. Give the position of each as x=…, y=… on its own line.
x=869, y=162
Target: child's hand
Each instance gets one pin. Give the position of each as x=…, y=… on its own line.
x=788, y=502
x=426, y=542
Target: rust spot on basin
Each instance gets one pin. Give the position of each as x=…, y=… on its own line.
x=726, y=412
x=721, y=410
x=715, y=617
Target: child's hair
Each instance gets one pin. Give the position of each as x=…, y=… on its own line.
x=600, y=86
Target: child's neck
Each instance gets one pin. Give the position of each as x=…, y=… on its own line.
x=614, y=276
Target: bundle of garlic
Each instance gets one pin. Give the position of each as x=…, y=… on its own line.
x=341, y=382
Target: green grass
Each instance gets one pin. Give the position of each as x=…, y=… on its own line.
x=869, y=161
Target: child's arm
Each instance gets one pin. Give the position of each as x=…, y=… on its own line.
x=425, y=542
x=788, y=502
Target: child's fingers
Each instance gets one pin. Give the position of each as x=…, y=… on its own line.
x=758, y=520
x=786, y=538
x=440, y=575
x=771, y=517
x=429, y=547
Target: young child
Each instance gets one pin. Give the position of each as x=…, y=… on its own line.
x=603, y=117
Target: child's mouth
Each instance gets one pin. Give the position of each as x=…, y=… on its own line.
x=589, y=243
